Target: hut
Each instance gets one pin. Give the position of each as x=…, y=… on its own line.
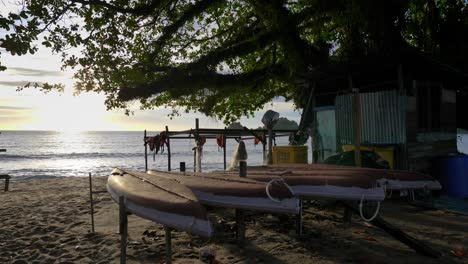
x=408, y=105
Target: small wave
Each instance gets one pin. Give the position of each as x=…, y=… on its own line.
x=73, y=155
x=91, y=155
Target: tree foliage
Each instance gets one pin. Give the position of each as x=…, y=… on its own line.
x=227, y=58
x=283, y=124
x=235, y=125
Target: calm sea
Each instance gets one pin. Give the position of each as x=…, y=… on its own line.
x=32, y=154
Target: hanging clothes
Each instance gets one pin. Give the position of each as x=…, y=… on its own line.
x=162, y=140
x=220, y=141
x=150, y=142
x=259, y=139
x=154, y=145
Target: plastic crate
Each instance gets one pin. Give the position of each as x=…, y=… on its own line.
x=290, y=155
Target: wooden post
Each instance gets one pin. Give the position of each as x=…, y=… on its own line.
x=315, y=140
x=240, y=234
x=194, y=160
x=146, y=152
x=168, y=245
x=91, y=202
x=243, y=169
x=168, y=150
x=7, y=182
x=182, y=166
x=270, y=145
x=123, y=230
x=299, y=219
x=357, y=138
x=198, y=147
x=401, y=83
x=310, y=109
x=357, y=123
x=224, y=148
x=402, y=162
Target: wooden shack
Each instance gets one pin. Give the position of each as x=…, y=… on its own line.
x=413, y=103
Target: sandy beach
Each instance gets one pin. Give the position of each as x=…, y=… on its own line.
x=48, y=221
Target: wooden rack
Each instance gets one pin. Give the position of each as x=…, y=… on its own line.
x=210, y=133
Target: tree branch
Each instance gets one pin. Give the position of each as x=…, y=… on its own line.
x=277, y=18
x=142, y=10
x=170, y=30
x=180, y=82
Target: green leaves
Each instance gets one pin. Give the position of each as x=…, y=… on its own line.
x=226, y=58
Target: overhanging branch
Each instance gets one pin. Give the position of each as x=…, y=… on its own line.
x=141, y=10
x=179, y=82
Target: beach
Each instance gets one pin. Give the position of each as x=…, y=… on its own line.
x=48, y=221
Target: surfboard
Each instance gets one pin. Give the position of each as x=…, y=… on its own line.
x=234, y=192
x=160, y=200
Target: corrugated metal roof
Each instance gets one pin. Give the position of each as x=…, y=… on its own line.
x=382, y=118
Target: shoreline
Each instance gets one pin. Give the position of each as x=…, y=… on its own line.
x=48, y=221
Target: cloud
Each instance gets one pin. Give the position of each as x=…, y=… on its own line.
x=16, y=108
x=34, y=72
x=18, y=83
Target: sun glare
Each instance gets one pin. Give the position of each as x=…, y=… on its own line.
x=64, y=112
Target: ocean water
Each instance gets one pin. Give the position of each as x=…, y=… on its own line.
x=43, y=154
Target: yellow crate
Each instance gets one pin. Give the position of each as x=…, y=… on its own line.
x=386, y=153
x=290, y=154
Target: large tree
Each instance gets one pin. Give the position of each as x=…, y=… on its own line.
x=227, y=58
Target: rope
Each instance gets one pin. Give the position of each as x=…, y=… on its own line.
x=386, y=187
x=267, y=189
x=361, y=213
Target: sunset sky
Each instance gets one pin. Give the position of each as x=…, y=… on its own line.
x=31, y=109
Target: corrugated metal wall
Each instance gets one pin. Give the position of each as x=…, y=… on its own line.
x=382, y=118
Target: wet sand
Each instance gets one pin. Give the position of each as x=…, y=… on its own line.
x=48, y=221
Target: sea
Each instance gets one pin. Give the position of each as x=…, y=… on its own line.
x=46, y=154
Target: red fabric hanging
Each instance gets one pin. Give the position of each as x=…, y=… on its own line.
x=220, y=140
x=260, y=139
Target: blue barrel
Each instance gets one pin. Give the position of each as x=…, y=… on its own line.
x=453, y=175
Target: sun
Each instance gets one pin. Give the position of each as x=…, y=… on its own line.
x=68, y=113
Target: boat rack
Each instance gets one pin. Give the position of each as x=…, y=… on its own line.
x=245, y=133
x=212, y=133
